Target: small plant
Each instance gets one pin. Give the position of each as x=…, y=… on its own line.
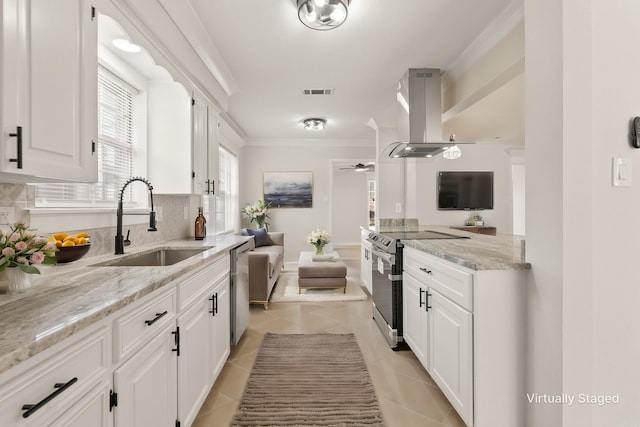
x=257, y=212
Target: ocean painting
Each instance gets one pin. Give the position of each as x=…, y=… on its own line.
x=288, y=189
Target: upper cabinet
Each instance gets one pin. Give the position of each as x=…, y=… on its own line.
x=49, y=91
x=205, y=126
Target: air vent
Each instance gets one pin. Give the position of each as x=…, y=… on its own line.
x=318, y=91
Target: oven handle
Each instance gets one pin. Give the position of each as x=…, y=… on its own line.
x=388, y=258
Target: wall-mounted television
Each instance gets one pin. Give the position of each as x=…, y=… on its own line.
x=460, y=190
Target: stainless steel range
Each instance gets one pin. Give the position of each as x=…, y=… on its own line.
x=387, y=278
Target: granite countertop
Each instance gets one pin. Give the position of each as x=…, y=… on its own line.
x=478, y=252
x=69, y=297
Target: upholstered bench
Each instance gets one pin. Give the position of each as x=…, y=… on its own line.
x=321, y=274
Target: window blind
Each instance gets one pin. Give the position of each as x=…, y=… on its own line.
x=115, y=151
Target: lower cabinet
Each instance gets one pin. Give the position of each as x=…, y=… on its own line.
x=204, y=348
x=146, y=384
x=365, y=261
x=466, y=328
x=151, y=363
x=451, y=352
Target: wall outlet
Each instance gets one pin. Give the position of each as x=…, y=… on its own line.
x=398, y=207
x=7, y=215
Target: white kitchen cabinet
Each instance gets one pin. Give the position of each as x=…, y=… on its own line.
x=205, y=123
x=55, y=383
x=467, y=329
x=366, y=263
x=91, y=410
x=204, y=336
x=415, y=318
x=222, y=341
x=450, y=351
x=146, y=384
x=49, y=91
x=437, y=329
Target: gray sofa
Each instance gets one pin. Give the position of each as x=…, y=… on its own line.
x=265, y=264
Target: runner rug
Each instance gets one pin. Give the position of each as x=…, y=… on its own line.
x=304, y=380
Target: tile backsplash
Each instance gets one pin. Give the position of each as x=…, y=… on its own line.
x=173, y=224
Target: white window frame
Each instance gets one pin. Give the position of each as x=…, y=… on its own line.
x=228, y=186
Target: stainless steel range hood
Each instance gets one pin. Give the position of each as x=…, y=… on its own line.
x=419, y=116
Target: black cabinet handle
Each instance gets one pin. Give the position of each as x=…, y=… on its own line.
x=211, y=186
x=426, y=270
x=176, y=339
x=213, y=305
x=427, y=306
x=421, y=292
x=155, y=319
x=18, y=136
x=60, y=387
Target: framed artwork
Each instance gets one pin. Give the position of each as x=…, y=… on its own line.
x=288, y=189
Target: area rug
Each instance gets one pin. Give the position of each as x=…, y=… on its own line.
x=309, y=380
x=286, y=290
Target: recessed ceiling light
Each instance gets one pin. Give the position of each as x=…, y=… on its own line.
x=126, y=46
x=314, y=124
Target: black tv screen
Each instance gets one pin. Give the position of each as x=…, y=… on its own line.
x=465, y=190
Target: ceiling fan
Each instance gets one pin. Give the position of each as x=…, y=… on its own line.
x=361, y=167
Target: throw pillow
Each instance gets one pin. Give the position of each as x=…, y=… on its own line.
x=245, y=232
x=260, y=237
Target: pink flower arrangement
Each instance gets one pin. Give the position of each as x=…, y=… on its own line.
x=24, y=250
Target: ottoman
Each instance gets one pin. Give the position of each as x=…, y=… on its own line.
x=321, y=274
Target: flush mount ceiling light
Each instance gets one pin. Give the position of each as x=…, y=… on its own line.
x=314, y=124
x=322, y=14
x=126, y=46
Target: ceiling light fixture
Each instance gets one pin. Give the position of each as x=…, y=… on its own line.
x=323, y=14
x=126, y=46
x=452, y=153
x=314, y=124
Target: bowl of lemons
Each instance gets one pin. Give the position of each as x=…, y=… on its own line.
x=71, y=247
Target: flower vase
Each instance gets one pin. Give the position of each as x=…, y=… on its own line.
x=319, y=250
x=17, y=280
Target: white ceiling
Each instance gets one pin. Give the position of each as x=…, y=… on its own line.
x=272, y=58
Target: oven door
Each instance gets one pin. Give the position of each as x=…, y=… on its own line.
x=386, y=286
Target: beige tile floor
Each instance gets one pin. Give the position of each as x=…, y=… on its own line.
x=407, y=394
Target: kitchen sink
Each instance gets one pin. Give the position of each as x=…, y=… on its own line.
x=157, y=257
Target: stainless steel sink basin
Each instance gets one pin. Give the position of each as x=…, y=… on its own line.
x=158, y=257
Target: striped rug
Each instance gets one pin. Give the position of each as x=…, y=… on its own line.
x=309, y=380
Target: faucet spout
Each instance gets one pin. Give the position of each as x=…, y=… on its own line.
x=119, y=241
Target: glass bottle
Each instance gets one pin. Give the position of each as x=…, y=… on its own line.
x=200, y=225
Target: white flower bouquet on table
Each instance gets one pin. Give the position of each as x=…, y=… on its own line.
x=318, y=239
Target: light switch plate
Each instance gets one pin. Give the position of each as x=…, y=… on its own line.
x=621, y=172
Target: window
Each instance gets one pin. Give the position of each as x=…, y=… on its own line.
x=228, y=190
x=116, y=151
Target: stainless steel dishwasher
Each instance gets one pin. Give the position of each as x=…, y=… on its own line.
x=239, y=285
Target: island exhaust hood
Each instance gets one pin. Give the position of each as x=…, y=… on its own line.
x=419, y=116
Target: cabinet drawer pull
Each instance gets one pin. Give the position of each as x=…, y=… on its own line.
x=155, y=319
x=421, y=292
x=213, y=305
x=426, y=301
x=426, y=270
x=18, y=136
x=60, y=387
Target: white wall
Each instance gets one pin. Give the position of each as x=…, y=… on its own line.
x=583, y=236
x=313, y=156
x=476, y=157
x=348, y=206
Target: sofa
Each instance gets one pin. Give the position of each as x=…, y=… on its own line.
x=266, y=259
